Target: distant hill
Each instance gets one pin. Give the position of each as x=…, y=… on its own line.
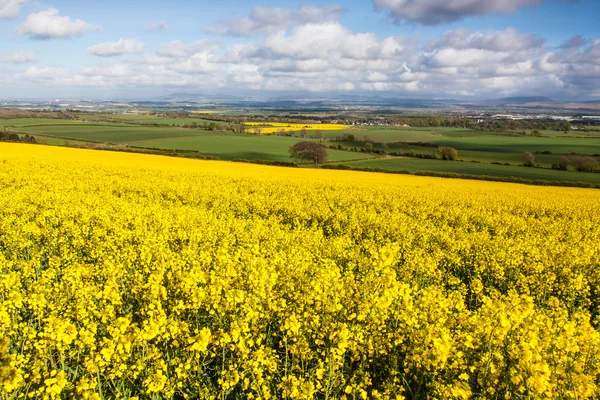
x=518, y=100
x=184, y=97
x=530, y=99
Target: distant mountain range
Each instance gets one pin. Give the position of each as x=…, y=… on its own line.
x=316, y=100
x=518, y=100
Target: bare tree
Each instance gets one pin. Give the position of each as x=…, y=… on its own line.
x=584, y=164
x=563, y=163
x=309, y=151
x=528, y=159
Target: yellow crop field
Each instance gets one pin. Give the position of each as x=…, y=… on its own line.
x=277, y=127
x=134, y=276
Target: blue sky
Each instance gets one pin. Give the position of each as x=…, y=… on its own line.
x=404, y=48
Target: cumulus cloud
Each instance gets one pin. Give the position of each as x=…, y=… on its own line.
x=507, y=40
x=328, y=56
x=331, y=41
x=118, y=48
x=265, y=20
x=46, y=73
x=49, y=24
x=10, y=8
x=18, y=57
x=160, y=26
x=574, y=42
x=432, y=12
x=177, y=48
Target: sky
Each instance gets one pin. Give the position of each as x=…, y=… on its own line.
x=460, y=49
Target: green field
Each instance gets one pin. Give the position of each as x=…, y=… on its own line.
x=477, y=149
x=467, y=139
x=112, y=133
x=18, y=122
x=223, y=145
x=177, y=121
x=251, y=147
x=458, y=167
x=146, y=119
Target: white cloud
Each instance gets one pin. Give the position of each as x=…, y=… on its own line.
x=431, y=12
x=46, y=73
x=507, y=40
x=118, y=48
x=265, y=20
x=331, y=40
x=328, y=57
x=10, y=8
x=160, y=26
x=18, y=57
x=49, y=24
x=179, y=49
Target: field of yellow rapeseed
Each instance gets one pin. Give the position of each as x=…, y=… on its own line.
x=280, y=127
x=135, y=276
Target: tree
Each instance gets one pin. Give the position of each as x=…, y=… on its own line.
x=386, y=148
x=212, y=126
x=447, y=153
x=563, y=163
x=369, y=147
x=319, y=135
x=536, y=133
x=528, y=159
x=304, y=132
x=584, y=164
x=309, y=151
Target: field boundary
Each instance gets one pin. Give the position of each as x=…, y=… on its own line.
x=451, y=175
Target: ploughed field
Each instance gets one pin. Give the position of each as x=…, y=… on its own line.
x=128, y=275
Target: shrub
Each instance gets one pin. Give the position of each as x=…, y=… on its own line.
x=528, y=159
x=584, y=164
x=447, y=153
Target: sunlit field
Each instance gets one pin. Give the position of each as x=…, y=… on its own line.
x=281, y=127
x=136, y=276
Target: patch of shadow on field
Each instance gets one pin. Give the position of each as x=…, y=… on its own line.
x=253, y=155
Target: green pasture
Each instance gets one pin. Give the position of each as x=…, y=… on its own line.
x=19, y=122
x=112, y=133
x=177, y=121
x=477, y=149
x=483, y=141
x=251, y=147
x=458, y=167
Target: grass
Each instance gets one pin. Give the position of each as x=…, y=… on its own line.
x=54, y=140
x=112, y=133
x=251, y=147
x=19, y=122
x=479, y=146
x=148, y=119
x=223, y=145
x=466, y=139
x=419, y=165
x=176, y=121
